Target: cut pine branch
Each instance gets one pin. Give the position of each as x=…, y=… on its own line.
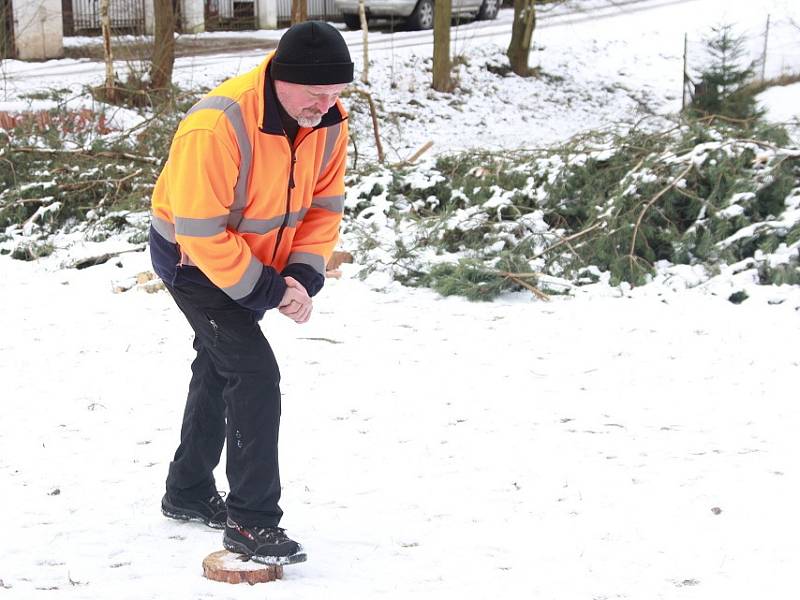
x=518, y=279
x=82, y=152
x=568, y=239
x=415, y=157
x=650, y=203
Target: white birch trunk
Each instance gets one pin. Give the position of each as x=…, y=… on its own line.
x=362, y=13
x=105, y=27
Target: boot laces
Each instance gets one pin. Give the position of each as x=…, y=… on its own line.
x=274, y=532
x=217, y=501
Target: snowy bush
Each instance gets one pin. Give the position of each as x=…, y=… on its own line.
x=613, y=206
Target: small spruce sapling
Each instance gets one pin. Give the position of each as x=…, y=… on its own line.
x=724, y=84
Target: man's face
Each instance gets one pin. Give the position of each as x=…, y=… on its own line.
x=307, y=104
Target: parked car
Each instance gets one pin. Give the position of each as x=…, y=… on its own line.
x=418, y=14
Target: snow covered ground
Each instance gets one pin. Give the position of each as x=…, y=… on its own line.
x=639, y=446
x=782, y=103
x=636, y=444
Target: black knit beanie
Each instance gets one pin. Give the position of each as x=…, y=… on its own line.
x=314, y=53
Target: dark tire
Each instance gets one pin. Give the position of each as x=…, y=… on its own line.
x=489, y=10
x=352, y=21
x=422, y=17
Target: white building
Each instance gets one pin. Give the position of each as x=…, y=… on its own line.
x=36, y=29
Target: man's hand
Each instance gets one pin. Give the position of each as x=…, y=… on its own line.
x=296, y=303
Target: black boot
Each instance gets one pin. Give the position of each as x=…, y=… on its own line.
x=211, y=511
x=267, y=545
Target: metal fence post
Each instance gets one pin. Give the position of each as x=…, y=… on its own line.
x=764, y=56
x=685, y=70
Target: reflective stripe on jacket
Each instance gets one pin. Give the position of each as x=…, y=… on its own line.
x=242, y=204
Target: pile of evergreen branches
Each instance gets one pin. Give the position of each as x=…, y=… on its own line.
x=69, y=170
x=614, y=206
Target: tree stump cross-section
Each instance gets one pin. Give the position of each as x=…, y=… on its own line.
x=234, y=568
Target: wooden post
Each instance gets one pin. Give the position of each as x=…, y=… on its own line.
x=764, y=56
x=685, y=67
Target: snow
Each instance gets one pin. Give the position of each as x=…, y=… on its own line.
x=782, y=103
x=622, y=442
x=582, y=456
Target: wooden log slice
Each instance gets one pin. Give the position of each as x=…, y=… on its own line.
x=230, y=568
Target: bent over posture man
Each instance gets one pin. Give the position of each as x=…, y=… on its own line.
x=245, y=216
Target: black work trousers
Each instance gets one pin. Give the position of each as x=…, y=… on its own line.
x=234, y=397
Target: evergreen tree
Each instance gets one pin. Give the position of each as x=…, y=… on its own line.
x=723, y=88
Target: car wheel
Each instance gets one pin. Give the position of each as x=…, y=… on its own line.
x=422, y=17
x=489, y=10
x=352, y=21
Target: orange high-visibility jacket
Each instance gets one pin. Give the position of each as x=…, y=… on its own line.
x=239, y=202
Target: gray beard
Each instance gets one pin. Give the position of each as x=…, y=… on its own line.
x=309, y=122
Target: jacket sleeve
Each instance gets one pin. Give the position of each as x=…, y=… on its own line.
x=202, y=172
x=318, y=233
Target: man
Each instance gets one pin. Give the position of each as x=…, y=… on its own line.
x=245, y=216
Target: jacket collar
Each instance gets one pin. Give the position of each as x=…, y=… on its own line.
x=270, y=118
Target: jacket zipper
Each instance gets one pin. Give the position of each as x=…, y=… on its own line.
x=293, y=149
x=288, y=205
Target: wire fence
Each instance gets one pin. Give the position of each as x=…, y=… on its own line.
x=235, y=14
x=317, y=9
x=84, y=16
x=128, y=16
x=771, y=49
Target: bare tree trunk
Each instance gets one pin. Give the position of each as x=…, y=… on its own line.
x=362, y=15
x=66, y=17
x=299, y=11
x=6, y=33
x=163, y=46
x=521, y=33
x=374, y=114
x=105, y=27
x=441, y=45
